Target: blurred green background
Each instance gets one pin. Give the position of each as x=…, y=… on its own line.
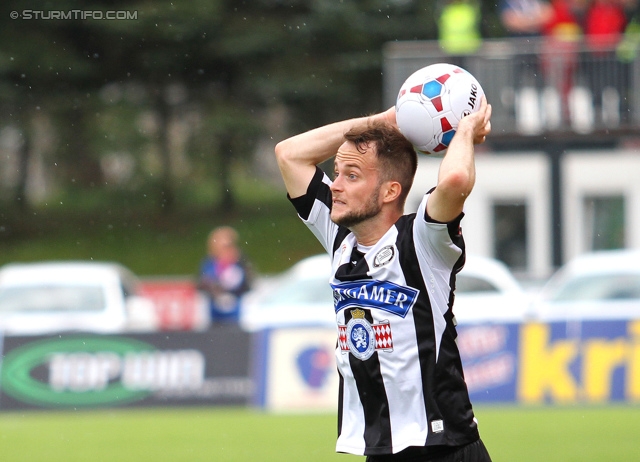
x=129, y=139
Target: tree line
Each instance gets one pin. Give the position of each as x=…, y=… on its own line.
x=175, y=93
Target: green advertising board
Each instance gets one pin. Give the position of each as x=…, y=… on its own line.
x=88, y=370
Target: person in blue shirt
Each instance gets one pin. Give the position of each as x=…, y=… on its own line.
x=525, y=18
x=224, y=275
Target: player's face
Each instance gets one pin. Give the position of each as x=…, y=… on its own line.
x=356, y=187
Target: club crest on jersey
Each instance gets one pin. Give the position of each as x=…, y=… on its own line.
x=384, y=256
x=362, y=338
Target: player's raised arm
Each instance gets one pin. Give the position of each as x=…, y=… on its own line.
x=297, y=156
x=457, y=173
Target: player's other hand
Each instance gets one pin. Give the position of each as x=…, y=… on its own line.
x=388, y=116
x=478, y=123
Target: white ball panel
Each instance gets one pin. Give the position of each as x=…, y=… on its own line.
x=414, y=121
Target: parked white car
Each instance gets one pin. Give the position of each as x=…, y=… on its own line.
x=487, y=292
x=50, y=297
x=301, y=296
x=597, y=285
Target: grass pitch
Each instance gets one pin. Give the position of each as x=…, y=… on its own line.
x=511, y=433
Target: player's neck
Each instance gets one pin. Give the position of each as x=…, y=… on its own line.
x=369, y=232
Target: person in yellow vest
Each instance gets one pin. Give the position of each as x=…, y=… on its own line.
x=459, y=27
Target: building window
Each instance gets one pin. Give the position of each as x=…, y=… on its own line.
x=604, y=222
x=510, y=231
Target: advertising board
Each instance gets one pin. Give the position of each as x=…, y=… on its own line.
x=298, y=370
x=576, y=362
x=560, y=362
x=72, y=371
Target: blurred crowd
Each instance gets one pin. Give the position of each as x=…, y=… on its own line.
x=580, y=72
x=601, y=23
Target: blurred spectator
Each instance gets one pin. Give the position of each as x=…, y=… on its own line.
x=566, y=20
x=630, y=43
x=224, y=275
x=561, y=51
x=525, y=18
x=459, y=28
x=604, y=25
x=522, y=19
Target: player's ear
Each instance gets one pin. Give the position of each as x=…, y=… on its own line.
x=392, y=190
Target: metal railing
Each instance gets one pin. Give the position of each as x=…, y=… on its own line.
x=537, y=86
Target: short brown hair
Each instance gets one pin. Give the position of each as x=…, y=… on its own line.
x=398, y=160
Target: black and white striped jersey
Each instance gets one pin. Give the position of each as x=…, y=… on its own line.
x=401, y=379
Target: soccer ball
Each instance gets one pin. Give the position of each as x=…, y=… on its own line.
x=431, y=103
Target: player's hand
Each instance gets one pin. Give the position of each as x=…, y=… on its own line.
x=485, y=128
x=479, y=123
x=388, y=116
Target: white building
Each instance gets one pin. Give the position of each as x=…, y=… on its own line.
x=560, y=173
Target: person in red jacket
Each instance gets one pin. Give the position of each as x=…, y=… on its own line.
x=563, y=33
x=604, y=25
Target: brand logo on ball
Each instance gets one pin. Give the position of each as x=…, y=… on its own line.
x=473, y=96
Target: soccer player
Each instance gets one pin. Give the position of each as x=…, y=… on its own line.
x=402, y=392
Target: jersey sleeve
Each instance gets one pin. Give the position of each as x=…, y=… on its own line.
x=314, y=209
x=438, y=242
